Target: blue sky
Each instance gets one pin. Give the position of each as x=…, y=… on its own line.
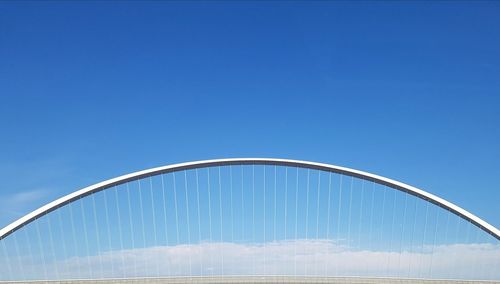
x=89, y=91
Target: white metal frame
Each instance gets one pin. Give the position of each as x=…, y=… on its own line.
x=483, y=225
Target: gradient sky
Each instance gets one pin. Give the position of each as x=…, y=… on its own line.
x=90, y=90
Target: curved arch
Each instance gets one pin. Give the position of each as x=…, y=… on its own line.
x=483, y=225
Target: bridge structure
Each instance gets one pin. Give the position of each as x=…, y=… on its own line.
x=250, y=220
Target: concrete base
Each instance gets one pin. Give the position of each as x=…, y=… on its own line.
x=256, y=279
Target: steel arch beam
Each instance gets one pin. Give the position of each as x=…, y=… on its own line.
x=462, y=213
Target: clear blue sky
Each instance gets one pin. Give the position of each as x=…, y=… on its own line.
x=89, y=91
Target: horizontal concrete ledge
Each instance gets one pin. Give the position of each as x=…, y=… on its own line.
x=257, y=279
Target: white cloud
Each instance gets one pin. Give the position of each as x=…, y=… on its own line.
x=15, y=204
x=41, y=181
x=300, y=257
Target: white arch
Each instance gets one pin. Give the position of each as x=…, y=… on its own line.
x=483, y=225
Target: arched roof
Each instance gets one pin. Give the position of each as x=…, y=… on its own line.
x=483, y=225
